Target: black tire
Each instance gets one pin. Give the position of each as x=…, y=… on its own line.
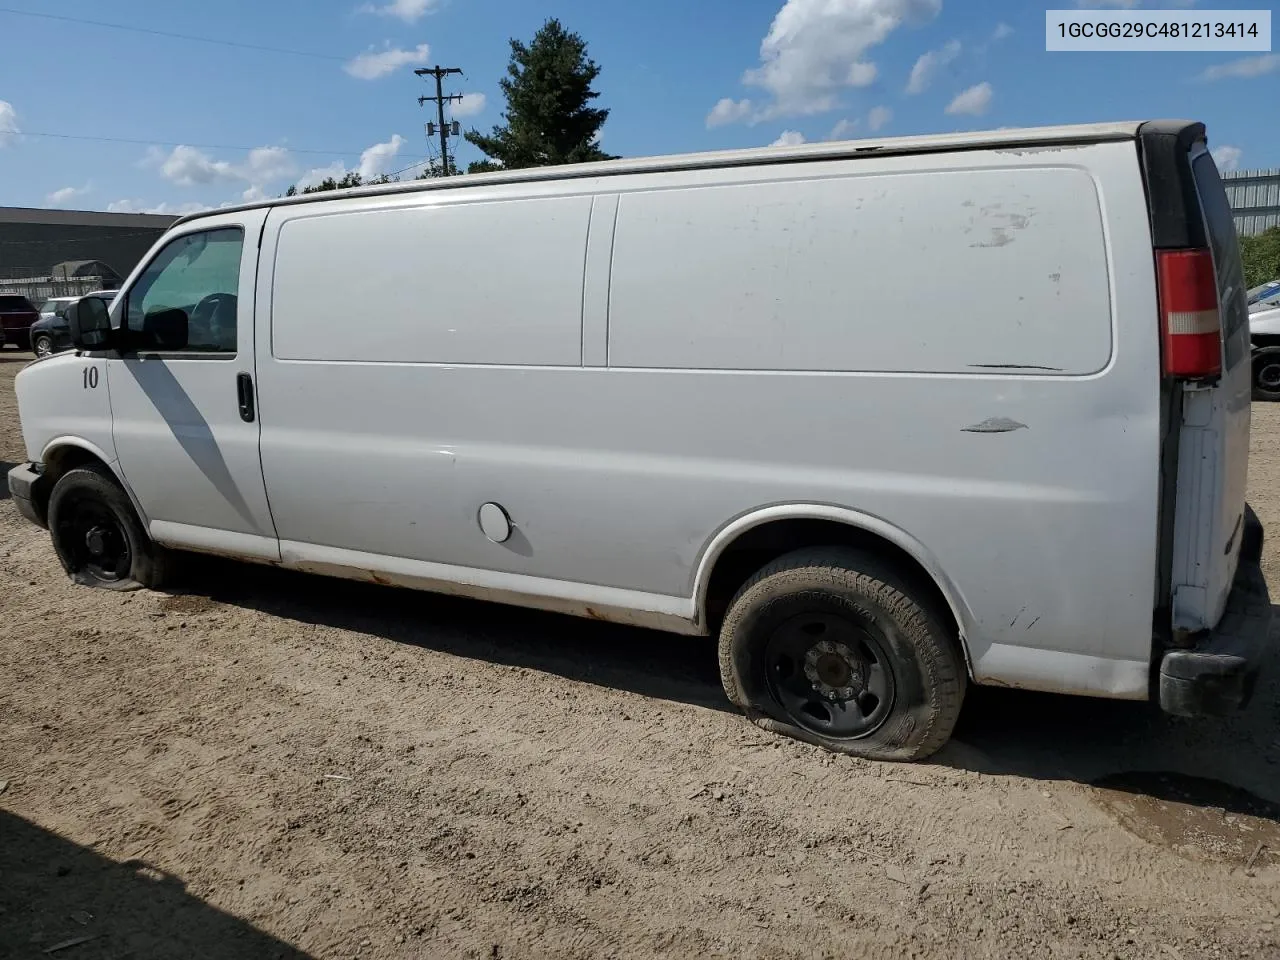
x=1266, y=374
x=97, y=535
x=42, y=345
x=861, y=620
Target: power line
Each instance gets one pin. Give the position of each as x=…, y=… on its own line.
x=419, y=163
x=184, y=143
x=172, y=36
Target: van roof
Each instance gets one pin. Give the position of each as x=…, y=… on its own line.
x=933, y=143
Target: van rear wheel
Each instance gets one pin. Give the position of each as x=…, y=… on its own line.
x=97, y=535
x=832, y=646
x=1266, y=374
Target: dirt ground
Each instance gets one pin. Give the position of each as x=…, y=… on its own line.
x=273, y=765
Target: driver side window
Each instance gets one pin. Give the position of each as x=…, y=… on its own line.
x=185, y=300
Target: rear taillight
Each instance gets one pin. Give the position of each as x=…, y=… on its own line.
x=1191, y=327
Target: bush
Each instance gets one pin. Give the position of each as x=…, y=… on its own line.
x=1261, y=256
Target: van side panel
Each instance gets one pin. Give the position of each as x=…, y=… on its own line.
x=1000, y=267
x=1033, y=490
x=466, y=283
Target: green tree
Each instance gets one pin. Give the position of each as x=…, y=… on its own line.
x=349, y=179
x=549, y=117
x=1261, y=256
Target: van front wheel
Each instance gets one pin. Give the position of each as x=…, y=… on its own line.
x=97, y=534
x=831, y=646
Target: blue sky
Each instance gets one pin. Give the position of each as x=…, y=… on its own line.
x=219, y=124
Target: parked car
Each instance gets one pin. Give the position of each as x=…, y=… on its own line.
x=17, y=314
x=1264, y=291
x=51, y=334
x=709, y=394
x=1264, y=334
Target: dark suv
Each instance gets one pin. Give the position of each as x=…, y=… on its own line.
x=16, y=317
x=52, y=333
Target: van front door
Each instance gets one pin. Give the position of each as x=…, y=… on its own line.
x=183, y=396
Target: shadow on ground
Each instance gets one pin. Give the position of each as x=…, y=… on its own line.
x=54, y=892
x=1133, y=746
x=5, y=467
x=1231, y=763
x=645, y=662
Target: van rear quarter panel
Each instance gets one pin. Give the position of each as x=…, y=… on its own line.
x=622, y=476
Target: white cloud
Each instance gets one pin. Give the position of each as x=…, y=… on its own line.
x=66, y=195
x=410, y=11
x=729, y=111
x=878, y=118
x=862, y=74
x=336, y=170
x=374, y=161
x=789, y=138
x=171, y=209
x=1227, y=157
x=265, y=164
x=373, y=64
x=187, y=167
x=1246, y=67
x=1002, y=32
x=929, y=64
x=842, y=129
x=378, y=159
x=8, y=123
x=973, y=101
x=471, y=104
x=816, y=48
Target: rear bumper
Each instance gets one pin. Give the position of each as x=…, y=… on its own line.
x=24, y=487
x=1218, y=674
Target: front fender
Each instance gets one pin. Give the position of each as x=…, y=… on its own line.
x=60, y=446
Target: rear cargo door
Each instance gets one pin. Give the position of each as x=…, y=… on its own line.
x=1213, y=458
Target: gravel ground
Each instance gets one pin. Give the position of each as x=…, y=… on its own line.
x=276, y=765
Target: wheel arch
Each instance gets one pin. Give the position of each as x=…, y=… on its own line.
x=752, y=540
x=66, y=453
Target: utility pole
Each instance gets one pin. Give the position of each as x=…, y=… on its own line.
x=440, y=100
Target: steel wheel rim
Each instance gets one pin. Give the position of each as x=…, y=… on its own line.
x=95, y=539
x=1269, y=376
x=831, y=674
x=43, y=347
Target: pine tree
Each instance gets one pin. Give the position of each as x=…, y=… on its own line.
x=549, y=119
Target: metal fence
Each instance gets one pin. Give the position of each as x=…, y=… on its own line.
x=40, y=289
x=1254, y=196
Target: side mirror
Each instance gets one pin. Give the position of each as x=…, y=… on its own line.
x=90, y=324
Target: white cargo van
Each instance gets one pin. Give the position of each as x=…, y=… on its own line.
x=888, y=417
